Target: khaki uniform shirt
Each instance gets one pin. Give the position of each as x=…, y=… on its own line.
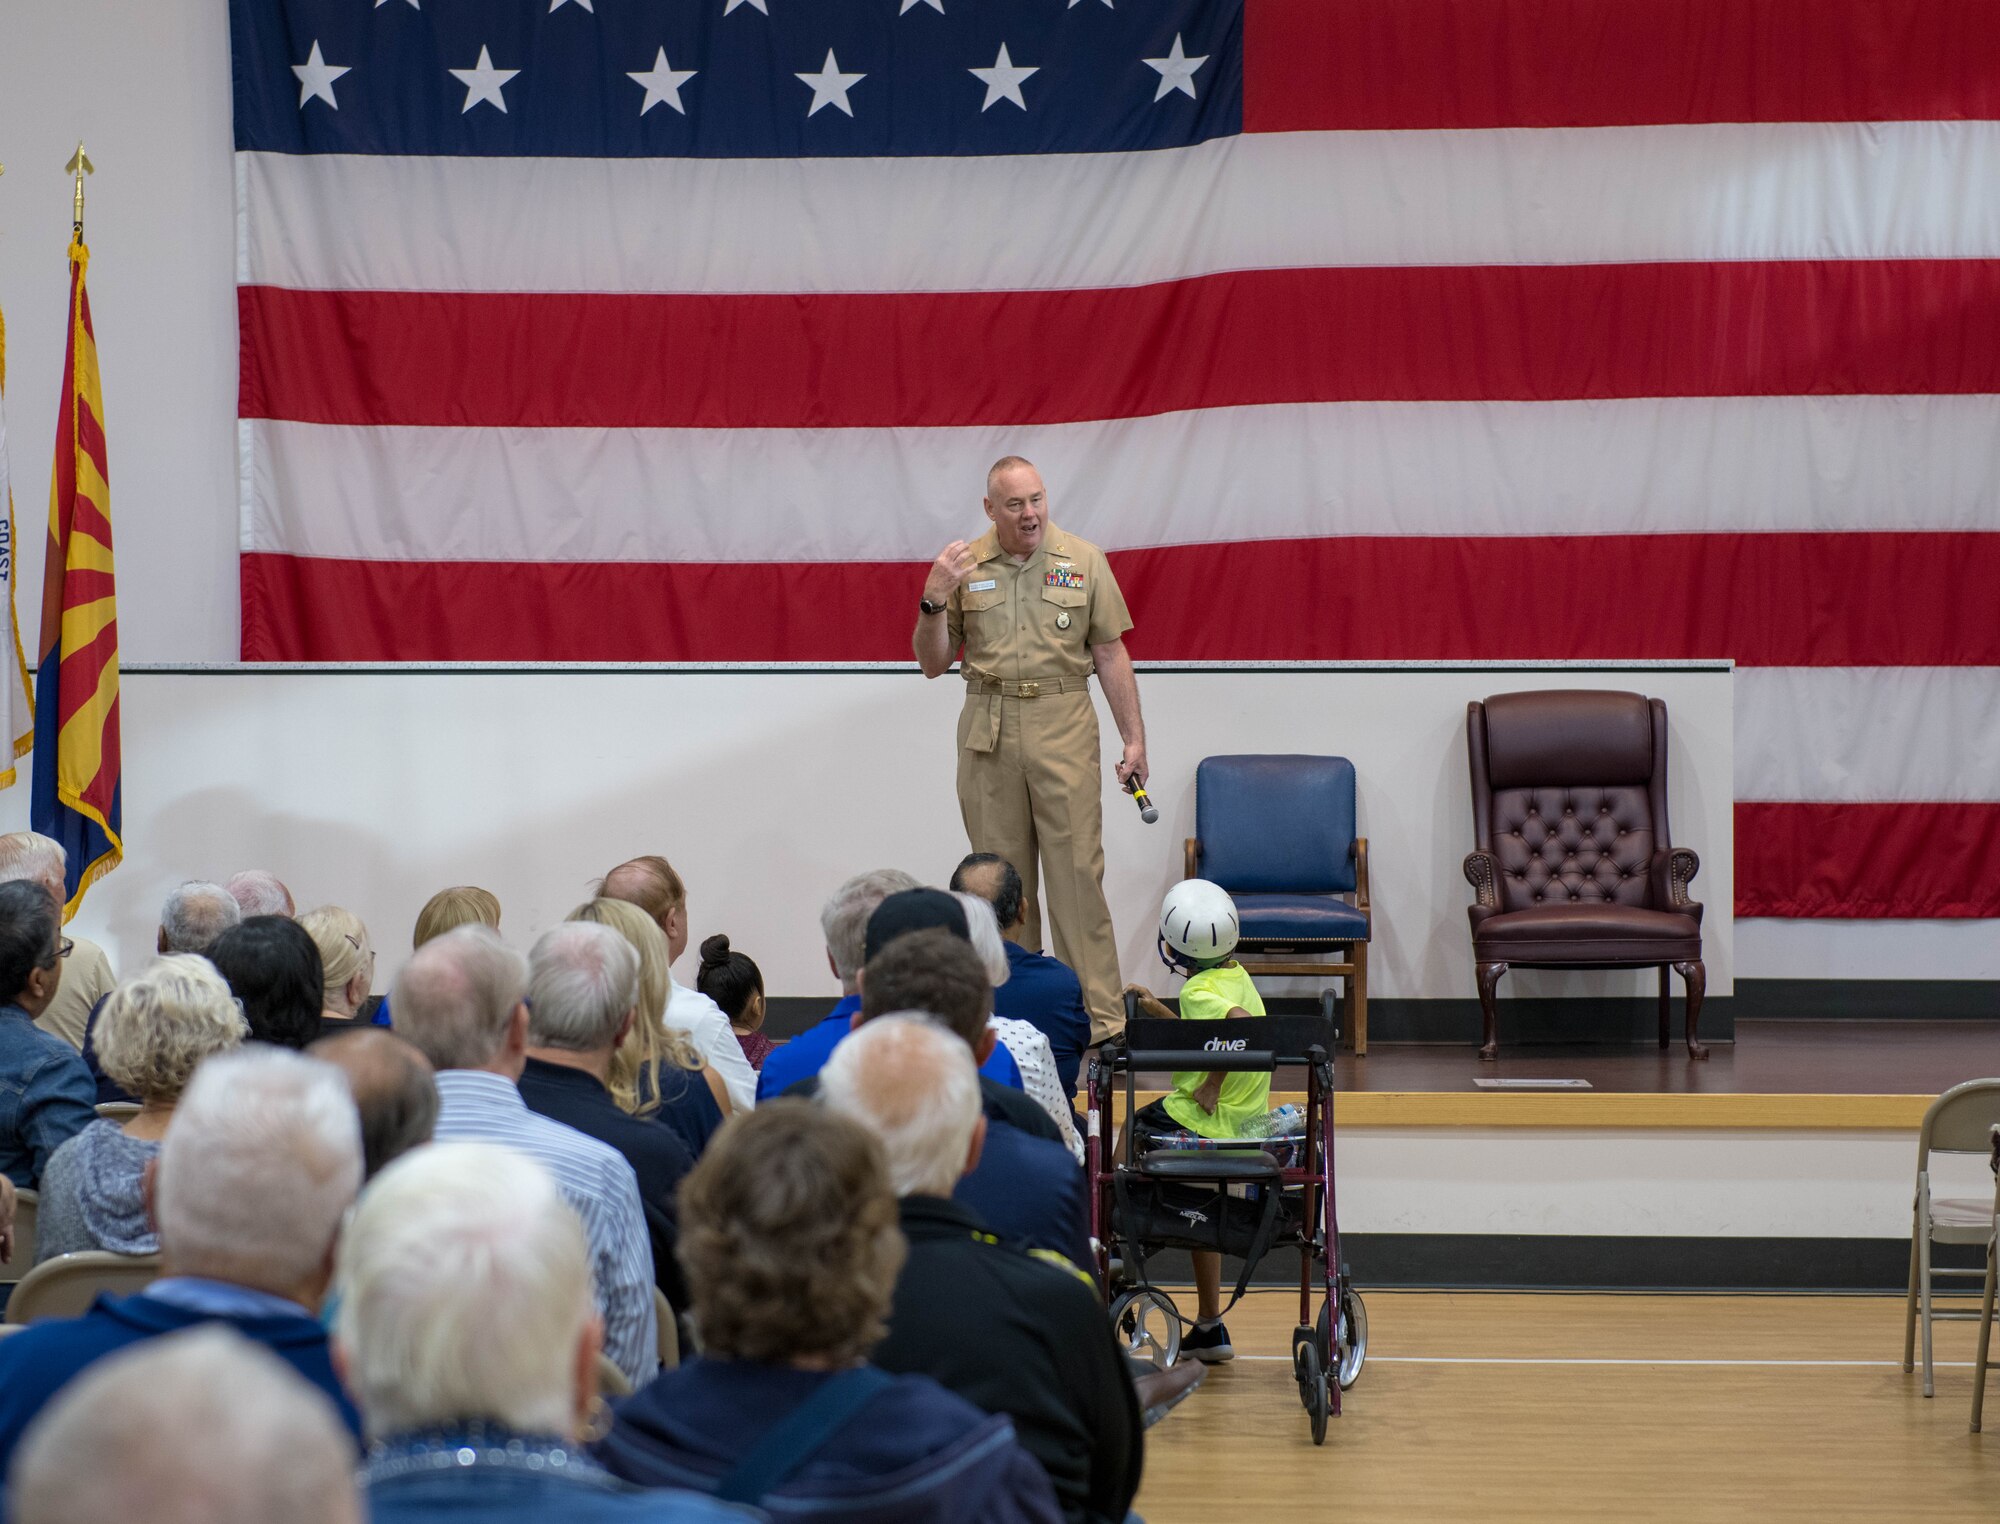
x=1039, y=619
x=87, y=979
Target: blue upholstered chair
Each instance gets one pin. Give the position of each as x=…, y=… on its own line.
x=1278, y=834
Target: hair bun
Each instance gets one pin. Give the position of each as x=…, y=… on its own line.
x=715, y=949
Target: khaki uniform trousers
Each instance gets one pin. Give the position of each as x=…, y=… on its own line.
x=1030, y=786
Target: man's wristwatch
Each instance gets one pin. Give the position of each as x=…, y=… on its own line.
x=930, y=608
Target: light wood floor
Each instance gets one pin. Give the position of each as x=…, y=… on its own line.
x=1629, y=1407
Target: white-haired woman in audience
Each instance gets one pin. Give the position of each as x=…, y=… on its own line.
x=790, y=1243
x=1023, y=1040
x=347, y=966
x=469, y=1336
x=658, y=1071
x=152, y=1032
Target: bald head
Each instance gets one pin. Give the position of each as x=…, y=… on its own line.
x=395, y=1090
x=259, y=892
x=457, y=997
x=915, y=1086
x=651, y=883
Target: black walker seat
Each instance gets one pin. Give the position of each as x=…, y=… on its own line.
x=1237, y=1198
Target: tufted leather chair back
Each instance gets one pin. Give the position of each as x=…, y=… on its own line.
x=1569, y=794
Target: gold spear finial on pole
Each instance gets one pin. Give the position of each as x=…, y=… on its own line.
x=79, y=165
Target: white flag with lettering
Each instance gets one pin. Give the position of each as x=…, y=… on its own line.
x=17, y=710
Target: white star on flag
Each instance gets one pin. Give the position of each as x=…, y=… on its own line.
x=416, y=7
x=761, y=5
x=1003, y=80
x=316, y=77
x=1073, y=4
x=556, y=5
x=830, y=86
x=1176, y=71
x=663, y=83
x=910, y=5
x=483, y=82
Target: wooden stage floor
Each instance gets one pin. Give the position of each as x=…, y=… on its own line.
x=1488, y=1406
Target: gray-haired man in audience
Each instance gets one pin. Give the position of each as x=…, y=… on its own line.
x=462, y=1000
x=395, y=1090
x=194, y=915
x=260, y=892
x=201, y=1427
x=87, y=976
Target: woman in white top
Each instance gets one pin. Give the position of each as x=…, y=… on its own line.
x=1024, y=1042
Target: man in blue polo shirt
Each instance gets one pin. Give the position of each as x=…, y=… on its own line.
x=849, y=922
x=1040, y=990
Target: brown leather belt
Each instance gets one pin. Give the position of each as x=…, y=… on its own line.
x=978, y=683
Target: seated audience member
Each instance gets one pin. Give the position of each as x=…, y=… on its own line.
x=9, y=1199
x=843, y=923
x=1039, y=989
x=273, y=967
x=1023, y=1041
x=46, y=1097
x=461, y=1000
x=1007, y=1330
x=1026, y=1186
x=31, y=858
x=788, y=1236
x=260, y=892
x=467, y=1333
x=658, y=1071
x=394, y=1089
x=449, y=909
x=652, y=885
x=194, y=915
x=347, y=966
x=261, y=1164
x=152, y=1030
x=736, y=985
x=583, y=998
x=201, y=1427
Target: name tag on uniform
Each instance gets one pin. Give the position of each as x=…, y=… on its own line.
x=982, y=587
x=1063, y=576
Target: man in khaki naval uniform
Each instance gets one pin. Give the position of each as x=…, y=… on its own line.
x=1037, y=611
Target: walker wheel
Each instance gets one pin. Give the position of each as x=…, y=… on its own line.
x=1148, y=1327
x=1345, y=1348
x=1312, y=1387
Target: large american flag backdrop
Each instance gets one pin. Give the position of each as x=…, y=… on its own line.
x=632, y=330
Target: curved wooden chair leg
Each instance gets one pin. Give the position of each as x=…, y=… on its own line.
x=1696, y=978
x=1489, y=979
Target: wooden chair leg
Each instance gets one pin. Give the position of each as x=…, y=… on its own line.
x=1489, y=978
x=1357, y=988
x=1666, y=1004
x=1696, y=979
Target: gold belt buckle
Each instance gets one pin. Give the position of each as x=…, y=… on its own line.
x=1031, y=690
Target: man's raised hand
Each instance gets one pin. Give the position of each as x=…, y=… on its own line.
x=953, y=565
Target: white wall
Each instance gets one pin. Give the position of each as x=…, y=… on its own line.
x=145, y=83
x=372, y=789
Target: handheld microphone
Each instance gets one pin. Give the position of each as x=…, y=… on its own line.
x=1147, y=811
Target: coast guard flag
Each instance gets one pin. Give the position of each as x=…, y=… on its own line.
x=1373, y=330
x=17, y=718
x=76, y=790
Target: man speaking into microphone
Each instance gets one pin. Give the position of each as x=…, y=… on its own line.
x=1037, y=611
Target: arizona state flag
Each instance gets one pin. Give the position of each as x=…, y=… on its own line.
x=76, y=792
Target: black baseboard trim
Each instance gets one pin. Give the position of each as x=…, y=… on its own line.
x=1552, y=1262
x=1869, y=999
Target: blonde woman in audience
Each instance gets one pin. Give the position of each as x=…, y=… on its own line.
x=460, y=905
x=658, y=1071
x=469, y=1336
x=152, y=1033
x=1023, y=1040
x=347, y=965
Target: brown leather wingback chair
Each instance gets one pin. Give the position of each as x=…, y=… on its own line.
x=1575, y=866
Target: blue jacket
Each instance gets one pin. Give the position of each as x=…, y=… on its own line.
x=1032, y=1190
x=46, y=1097
x=1046, y=994
x=523, y=1489
x=914, y=1454
x=39, y=1361
x=805, y=1055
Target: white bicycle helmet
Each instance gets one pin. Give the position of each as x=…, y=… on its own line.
x=1197, y=921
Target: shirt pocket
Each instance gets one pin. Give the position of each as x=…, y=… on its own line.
x=982, y=602
x=1065, y=597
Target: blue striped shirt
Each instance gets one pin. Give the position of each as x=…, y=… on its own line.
x=476, y=1106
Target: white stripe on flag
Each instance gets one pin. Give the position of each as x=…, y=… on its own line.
x=1852, y=735
x=1678, y=465
x=1847, y=190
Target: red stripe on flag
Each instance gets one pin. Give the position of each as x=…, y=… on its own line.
x=1868, y=861
x=1354, y=64
x=1527, y=332
x=1766, y=600
x=90, y=438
